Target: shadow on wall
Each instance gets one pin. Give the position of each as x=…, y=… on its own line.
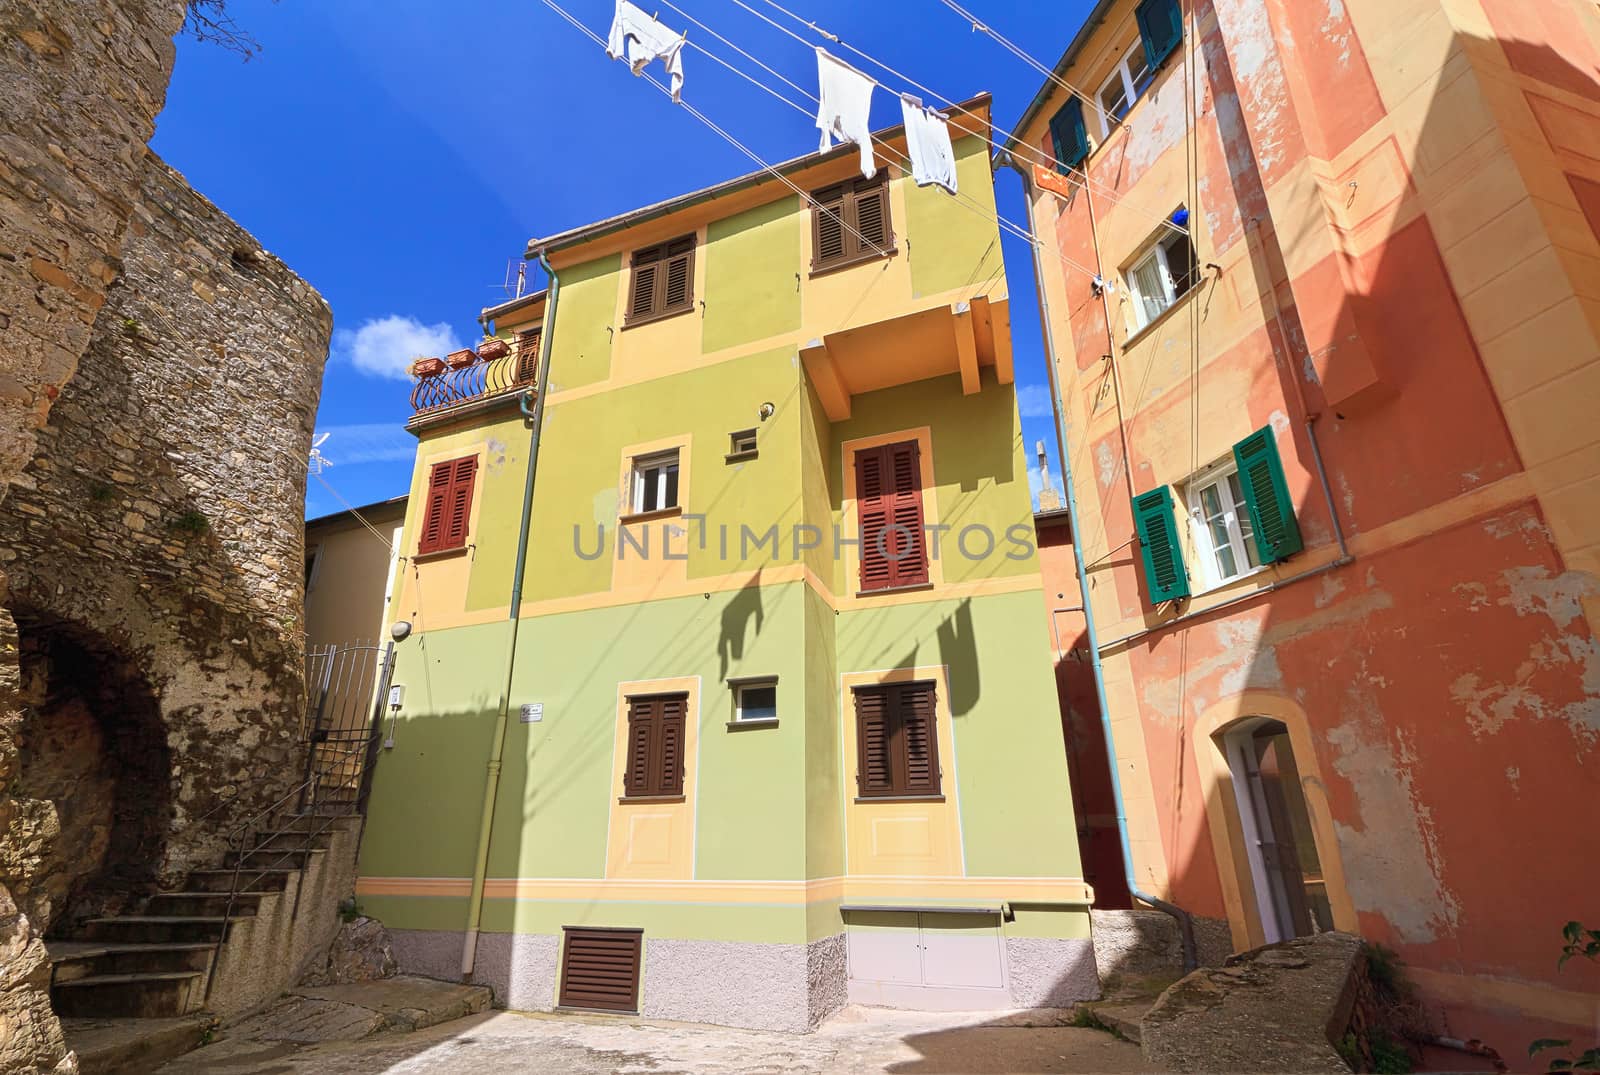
x=1438, y=696
x=739, y=616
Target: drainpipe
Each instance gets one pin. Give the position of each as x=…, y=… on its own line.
x=1184, y=919
x=491, y=783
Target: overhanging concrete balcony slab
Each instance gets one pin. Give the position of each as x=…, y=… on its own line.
x=960, y=338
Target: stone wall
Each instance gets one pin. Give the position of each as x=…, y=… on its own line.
x=83, y=83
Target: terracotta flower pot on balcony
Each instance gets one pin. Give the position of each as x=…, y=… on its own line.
x=492, y=348
x=427, y=367
x=460, y=360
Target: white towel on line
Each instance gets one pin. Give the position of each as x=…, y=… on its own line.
x=637, y=39
x=928, y=144
x=844, y=111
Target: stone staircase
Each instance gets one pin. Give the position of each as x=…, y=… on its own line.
x=230, y=938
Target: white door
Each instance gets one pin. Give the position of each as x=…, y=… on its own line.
x=926, y=960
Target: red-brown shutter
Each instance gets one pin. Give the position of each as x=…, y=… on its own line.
x=642, y=751
x=670, y=735
x=910, y=550
x=462, y=480
x=874, y=764
x=600, y=969
x=919, y=740
x=873, y=495
x=431, y=538
x=528, y=355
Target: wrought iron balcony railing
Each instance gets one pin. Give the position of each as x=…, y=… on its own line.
x=496, y=368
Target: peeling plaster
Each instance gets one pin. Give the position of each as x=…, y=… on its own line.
x=1332, y=586
x=1105, y=464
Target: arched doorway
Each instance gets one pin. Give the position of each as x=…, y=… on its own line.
x=1290, y=885
x=95, y=776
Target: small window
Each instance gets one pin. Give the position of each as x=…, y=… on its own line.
x=1161, y=274
x=655, y=482
x=656, y=727
x=1223, y=534
x=449, y=505
x=897, y=742
x=755, y=701
x=663, y=281
x=850, y=223
x=1129, y=81
x=742, y=445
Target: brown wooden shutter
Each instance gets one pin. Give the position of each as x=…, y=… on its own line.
x=462, y=481
x=871, y=215
x=873, y=495
x=663, y=280
x=910, y=548
x=874, y=763
x=673, y=712
x=645, y=270
x=678, y=279
x=436, y=507
x=528, y=355
x=919, y=740
x=642, y=751
x=600, y=969
x=827, y=227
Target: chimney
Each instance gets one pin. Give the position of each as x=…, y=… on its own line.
x=1049, y=499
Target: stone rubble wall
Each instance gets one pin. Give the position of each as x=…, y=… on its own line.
x=83, y=81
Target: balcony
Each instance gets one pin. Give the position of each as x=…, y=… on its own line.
x=499, y=368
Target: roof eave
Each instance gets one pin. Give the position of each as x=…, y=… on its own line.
x=1079, y=40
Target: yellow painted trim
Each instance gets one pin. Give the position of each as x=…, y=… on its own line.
x=654, y=841
x=850, y=516
x=1062, y=890
x=827, y=381
x=1222, y=811
x=882, y=838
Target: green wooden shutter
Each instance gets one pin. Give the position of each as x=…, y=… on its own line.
x=1267, y=496
x=1160, y=28
x=1069, y=135
x=1164, y=572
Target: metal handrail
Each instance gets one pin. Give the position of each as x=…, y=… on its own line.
x=480, y=380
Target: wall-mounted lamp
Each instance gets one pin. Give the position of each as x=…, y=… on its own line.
x=400, y=630
x=766, y=410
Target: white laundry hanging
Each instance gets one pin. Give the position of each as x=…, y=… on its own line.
x=845, y=107
x=643, y=39
x=928, y=144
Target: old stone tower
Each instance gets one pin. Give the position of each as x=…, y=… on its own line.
x=159, y=376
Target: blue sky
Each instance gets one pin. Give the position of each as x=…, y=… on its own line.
x=399, y=155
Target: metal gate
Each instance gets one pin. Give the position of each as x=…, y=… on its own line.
x=346, y=686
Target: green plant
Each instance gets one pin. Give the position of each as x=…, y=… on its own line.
x=1389, y=1057
x=1349, y=1050
x=192, y=523
x=1577, y=940
x=130, y=326
x=349, y=909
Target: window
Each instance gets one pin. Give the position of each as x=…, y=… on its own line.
x=850, y=223
x=755, y=701
x=1068, y=136
x=527, y=351
x=449, y=504
x=1160, y=29
x=1223, y=534
x=742, y=445
x=655, y=746
x=1128, y=82
x=1162, y=273
x=897, y=741
x=894, y=549
x=663, y=281
x=1165, y=577
x=655, y=482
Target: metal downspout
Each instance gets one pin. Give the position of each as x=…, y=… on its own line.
x=491, y=783
x=1184, y=918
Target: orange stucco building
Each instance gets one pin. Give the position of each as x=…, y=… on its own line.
x=1322, y=287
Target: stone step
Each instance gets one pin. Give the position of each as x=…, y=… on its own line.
x=202, y=903
x=331, y=820
x=156, y=995
x=158, y=929
x=132, y=1046
x=72, y=960
x=257, y=880
x=290, y=840
x=1122, y=1018
x=271, y=859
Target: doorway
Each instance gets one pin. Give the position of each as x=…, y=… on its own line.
x=1286, y=871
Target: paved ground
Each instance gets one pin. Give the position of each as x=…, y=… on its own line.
x=855, y=1040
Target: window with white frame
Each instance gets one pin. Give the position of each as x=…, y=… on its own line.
x=1162, y=273
x=655, y=482
x=1129, y=81
x=1222, y=531
x=755, y=701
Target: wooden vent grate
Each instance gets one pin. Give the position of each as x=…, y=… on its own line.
x=600, y=969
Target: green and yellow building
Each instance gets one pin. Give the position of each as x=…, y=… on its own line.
x=781, y=729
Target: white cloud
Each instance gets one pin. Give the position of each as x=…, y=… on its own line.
x=385, y=346
x=1035, y=484
x=1033, y=400
x=376, y=442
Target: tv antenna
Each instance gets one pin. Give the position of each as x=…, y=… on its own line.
x=317, y=461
